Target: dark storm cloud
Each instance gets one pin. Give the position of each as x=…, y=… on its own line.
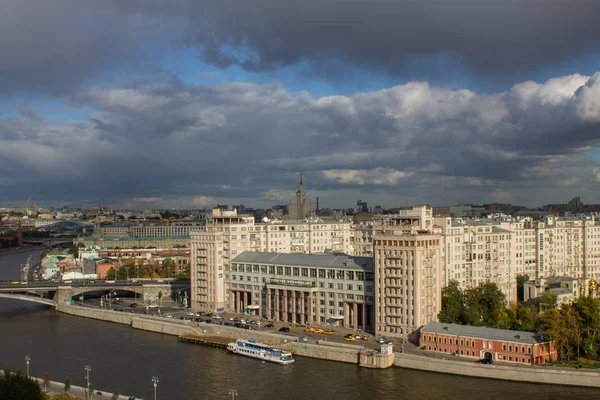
x=195, y=144
x=489, y=36
x=52, y=46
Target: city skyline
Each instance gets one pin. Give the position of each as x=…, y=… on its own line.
x=190, y=105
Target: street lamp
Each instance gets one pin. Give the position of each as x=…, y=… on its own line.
x=233, y=393
x=155, y=382
x=27, y=359
x=87, y=379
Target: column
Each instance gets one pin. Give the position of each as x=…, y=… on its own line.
x=326, y=306
x=285, y=306
x=364, y=316
x=302, y=307
x=346, y=315
x=310, y=307
x=294, y=307
x=269, y=314
x=355, y=315
x=237, y=301
x=245, y=301
x=276, y=305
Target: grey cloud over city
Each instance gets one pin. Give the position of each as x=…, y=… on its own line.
x=50, y=46
x=167, y=142
x=133, y=132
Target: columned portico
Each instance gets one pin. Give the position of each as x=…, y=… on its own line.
x=294, y=307
x=237, y=301
x=277, y=315
x=269, y=312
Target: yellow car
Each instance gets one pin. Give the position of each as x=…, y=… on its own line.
x=309, y=329
x=329, y=332
x=349, y=339
x=319, y=331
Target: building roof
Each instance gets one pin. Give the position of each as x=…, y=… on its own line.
x=481, y=332
x=341, y=261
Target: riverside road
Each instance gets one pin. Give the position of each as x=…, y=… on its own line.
x=128, y=359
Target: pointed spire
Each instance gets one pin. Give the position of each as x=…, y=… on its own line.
x=301, y=178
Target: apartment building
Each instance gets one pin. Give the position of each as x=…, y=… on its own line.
x=144, y=230
x=303, y=288
x=225, y=235
x=408, y=272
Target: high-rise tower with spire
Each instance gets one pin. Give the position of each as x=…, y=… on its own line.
x=299, y=206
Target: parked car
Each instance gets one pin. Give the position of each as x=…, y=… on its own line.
x=485, y=361
x=284, y=329
x=329, y=332
x=350, y=339
x=133, y=305
x=269, y=326
x=309, y=329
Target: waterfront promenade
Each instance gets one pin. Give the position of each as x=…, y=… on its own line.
x=55, y=387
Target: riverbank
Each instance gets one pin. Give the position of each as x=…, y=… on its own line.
x=332, y=352
x=345, y=355
x=23, y=250
x=55, y=387
x=535, y=374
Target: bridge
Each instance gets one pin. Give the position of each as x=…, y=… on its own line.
x=49, y=242
x=54, y=294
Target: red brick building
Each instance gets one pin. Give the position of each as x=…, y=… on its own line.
x=481, y=343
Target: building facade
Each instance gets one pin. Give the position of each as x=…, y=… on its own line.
x=487, y=343
x=302, y=288
x=408, y=273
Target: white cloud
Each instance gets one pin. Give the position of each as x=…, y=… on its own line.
x=203, y=201
x=377, y=176
x=147, y=199
x=277, y=195
x=596, y=172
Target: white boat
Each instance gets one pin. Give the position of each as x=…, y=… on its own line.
x=250, y=348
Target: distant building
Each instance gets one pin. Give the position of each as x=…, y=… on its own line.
x=299, y=207
x=566, y=289
x=487, y=343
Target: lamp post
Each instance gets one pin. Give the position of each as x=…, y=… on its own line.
x=155, y=382
x=87, y=380
x=233, y=393
x=27, y=359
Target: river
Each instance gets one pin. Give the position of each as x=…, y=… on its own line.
x=128, y=359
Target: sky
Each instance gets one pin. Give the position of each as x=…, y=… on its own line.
x=193, y=103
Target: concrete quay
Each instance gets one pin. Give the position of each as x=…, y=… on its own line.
x=535, y=374
x=347, y=353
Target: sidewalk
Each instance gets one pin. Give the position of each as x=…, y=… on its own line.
x=76, y=391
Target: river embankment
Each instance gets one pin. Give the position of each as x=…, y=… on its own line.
x=345, y=353
x=537, y=374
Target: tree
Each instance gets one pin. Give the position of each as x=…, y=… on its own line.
x=521, y=279
x=160, y=295
x=548, y=300
x=75, y=251
x=46, y=379
x=43, y=255
x=116, y=394
x=67, y=384
x=111, y=275
x=16, y=386
x=523, y=318
x=169, y=265
x=492, y=304
x=452, y=304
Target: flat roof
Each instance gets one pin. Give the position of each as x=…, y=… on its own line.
x=482, y=332
x=341, y=261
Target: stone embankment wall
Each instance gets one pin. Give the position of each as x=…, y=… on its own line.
x=510, y=373
x=374, y=359
x=324, y=352
x=95, y=313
